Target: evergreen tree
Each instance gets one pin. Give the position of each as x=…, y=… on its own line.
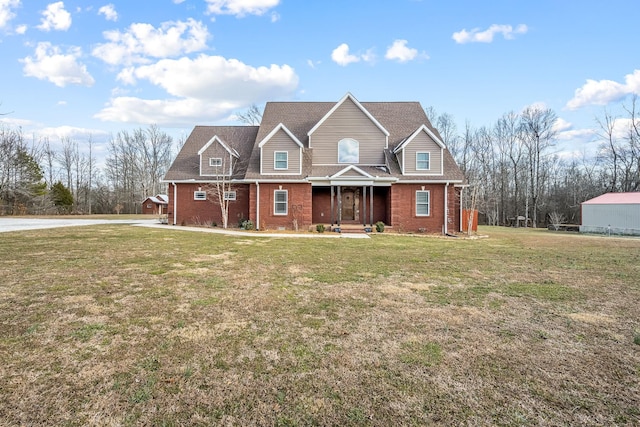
x=61, y=197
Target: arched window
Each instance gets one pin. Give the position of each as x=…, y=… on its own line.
x=348, y=151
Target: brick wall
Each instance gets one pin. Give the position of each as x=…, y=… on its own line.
x=299, y=206
x=394, y=206
x=403, y=208
x=192, y=211
x=322, y=206
x=149, y=208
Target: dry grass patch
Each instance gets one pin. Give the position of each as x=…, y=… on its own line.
x=523, y=328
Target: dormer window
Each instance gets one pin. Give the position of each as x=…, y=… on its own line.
x=281, y=160
x=422, y=161
x=348, y=151
x=215, y=161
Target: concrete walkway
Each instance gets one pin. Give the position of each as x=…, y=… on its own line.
x=327, y=235
x=8, y=224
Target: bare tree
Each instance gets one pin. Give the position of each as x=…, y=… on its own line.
x=538, y=135
x=509, y=148
x=136, y=164
x=155, y=147
x=90, y=176
x=446, y=126
x=252, y=117
x=632, y=175
x=226, y=164
x=66, y=159
x=609, y=148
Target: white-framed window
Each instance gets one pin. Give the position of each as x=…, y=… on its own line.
x=280, y=202
x=281, y=160
x=348, y=151
x=230, y=195
x=423, y=161
x=422, y=203
x=199, y=195
x=215, y=161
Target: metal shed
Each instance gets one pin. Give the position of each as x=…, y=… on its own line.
x=612, y=213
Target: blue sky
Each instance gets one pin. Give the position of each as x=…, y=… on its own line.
x=80, y=68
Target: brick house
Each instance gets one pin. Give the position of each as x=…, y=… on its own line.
x=332, y=163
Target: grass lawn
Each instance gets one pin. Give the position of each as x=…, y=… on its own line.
x=121, y=325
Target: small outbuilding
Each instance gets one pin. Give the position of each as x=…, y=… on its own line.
x=155, y=205
x=612, y=213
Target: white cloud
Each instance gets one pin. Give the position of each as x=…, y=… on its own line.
x=602, y=92
x=61, y=69
x=127, y=109
x=341, y=55
x=240, y=8
x=178, y=1
x=399, y=51
x=576, y=134
x=538, y=105
x=6, y=11
x=621, y=127
x=55, y=17
x=368, y=56
x=109, y=12
x=204, y=89
x=68, y=132
x=21, y=29
x=143, y=41
x=16, y=123
x=566, y=132
x=486, y=36
x=216, y=78
x=561, y=125
x=275, y=16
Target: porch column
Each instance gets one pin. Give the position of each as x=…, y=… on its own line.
x=332, y=205
x=371, y=206
x=364, y=205
x=339, y=206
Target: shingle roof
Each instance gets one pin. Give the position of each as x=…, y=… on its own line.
x=187, y=163
x=401, y=119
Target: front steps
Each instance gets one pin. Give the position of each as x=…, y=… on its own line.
x=352, y=228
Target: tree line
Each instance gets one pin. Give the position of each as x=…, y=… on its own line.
x=36, y=178
x=516, y=176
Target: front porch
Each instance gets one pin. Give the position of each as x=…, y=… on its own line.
x=350, y=205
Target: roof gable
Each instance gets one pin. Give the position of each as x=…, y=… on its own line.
x=275, y=130
x=215, y=138
x=186, y=166
x=160, y=199
x=350, y=97
x=352, y=168
x=422, y=128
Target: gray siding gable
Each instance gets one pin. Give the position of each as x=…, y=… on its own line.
x=421, y=141
x=278, y=141
x=348, y=120
x=217, y=148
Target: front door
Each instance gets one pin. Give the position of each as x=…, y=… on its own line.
x=349, y=205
